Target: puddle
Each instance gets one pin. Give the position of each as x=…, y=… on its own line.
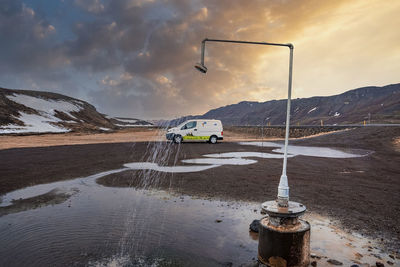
x=310, y=151
x=247, y=155
x=67, y=185
x=210, y=161
x=173, y=169
x=329, y=241
x=103, y=226
x=233, y=161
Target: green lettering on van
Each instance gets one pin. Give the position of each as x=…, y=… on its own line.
x=190, y=137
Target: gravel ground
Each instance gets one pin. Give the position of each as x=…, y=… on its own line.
x=362, y=193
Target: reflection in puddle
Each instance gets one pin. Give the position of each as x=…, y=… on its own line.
x=172, y=169
x=247, y=155
x=213, y=161
x=233, y=161
x=310, y=151
x=329, y=241
x=67, y=185
x=102, y=226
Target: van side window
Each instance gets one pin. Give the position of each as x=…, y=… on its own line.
x=189, y=125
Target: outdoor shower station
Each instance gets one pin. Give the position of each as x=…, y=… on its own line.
x=284, y=239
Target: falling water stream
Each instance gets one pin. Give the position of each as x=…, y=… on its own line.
x=108, y=226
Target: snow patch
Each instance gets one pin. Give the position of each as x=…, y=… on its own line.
x=48, y=106
x=46, y=119
x=133, y=125
x=34, y=124
x=127, y=120
x=337, y=114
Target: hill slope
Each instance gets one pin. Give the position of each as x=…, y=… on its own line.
x=24, y=111
x=380, y=104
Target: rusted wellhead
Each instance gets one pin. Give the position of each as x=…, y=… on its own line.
x=284, y=239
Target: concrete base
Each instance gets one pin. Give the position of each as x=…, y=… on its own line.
x=284, y=242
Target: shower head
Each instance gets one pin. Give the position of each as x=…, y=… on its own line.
x=201, y=68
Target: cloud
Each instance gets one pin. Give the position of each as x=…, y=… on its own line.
x=136, y=57
x=26, y=39
x=92, y=6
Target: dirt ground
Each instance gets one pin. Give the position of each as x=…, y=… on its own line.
x=363, y=193
x=141, y=134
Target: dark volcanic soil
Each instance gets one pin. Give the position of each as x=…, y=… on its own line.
x=363, y=193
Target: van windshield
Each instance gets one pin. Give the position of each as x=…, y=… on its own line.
x=189, y=125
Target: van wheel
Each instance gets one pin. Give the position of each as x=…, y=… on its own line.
x=178, y=139
x=213, y=139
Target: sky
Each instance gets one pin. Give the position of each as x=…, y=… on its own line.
x=135, y=58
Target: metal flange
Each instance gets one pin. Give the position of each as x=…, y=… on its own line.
x=294, y=209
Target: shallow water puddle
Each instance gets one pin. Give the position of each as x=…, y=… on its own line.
x=310, y=151
x=210, y=161
x=329, y=241
x=231, y=161
x=247, y=155
x=102, y=226
x=172, y=169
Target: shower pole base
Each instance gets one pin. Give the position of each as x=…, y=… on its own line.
x=284, y=239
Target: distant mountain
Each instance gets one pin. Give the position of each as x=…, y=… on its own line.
x=379, y=104
x=24, y=111
x=129, y=122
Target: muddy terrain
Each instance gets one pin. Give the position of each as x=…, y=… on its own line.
x=363, y=193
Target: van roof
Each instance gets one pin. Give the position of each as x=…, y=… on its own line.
x=203, y=120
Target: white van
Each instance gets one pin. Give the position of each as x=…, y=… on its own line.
x=197, y=130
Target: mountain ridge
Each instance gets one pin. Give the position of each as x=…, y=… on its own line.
x=378, y=104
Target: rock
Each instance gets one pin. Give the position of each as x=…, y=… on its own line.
x=218, y=221
x=389, y=262
x=391, y=256
x=255, y=225
x=355, y=265
x=314, y=263
x=315, y=256
x=358, y=255
x=376, y=256
x=334, y=262
x=379, y=264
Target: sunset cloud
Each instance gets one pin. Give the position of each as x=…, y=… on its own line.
x=135, y=58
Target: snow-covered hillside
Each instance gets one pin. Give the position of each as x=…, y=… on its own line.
x=23, y=111
x=46, y=119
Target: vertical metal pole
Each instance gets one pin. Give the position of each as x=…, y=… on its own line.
x=283, y=188
x=203, y=47
x=262, y=133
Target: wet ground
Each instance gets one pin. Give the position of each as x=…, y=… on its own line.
x=358, y=193
x=103, y=226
